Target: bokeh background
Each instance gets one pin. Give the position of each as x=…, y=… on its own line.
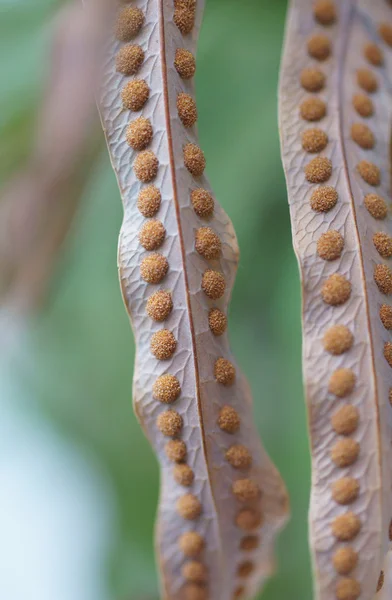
x=78, y=480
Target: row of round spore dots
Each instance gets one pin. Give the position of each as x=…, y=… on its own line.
x=209, y=246
x=362, y=134
x=335, y=291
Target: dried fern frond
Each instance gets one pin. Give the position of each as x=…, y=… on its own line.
x=335, y=121
x=222, y=502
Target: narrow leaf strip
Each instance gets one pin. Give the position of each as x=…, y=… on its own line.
x=335, y=120
x=222, y=502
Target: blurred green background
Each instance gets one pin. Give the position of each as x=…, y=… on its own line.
x=68, y=390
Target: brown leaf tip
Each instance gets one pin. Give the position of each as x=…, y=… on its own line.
x=129, y=59
x=152, y=235
x=383, y=278
x=191, y=544
x=229, y=420
x=213, y=284
x=135, y=94
x=249, y=519
x=338, y=339
x=163, y=344
x=336, y=290
x=330, y=245
x=146, y=166
x=325, y=12
x=239, y=457
x=383, y=244
x=154, y=268
x=348, y=589
x=149, y=201
x=323, y=199
x=376, y=206
x=217, y=321
x=363, y=136
x=386, y=316
x=184, y=63
x=374, y=54
x=166, y=389
x=187, y=110
x=345, y=421
x=342, y=382
x=170, y=423
x=345, y=560
x=314, y=140
x=363, y=105
x=346, y=527
x=183, y=475
x=313, y=109
x=345, y=452
x=246, y=490
x=129, y=23
x=207, y=243
x=318, y=170
x=380, y=583
x=319, y=47
x=176, y=451
x=194, y=159
x=224, y=371
x=139, y=133
x=202, y=202
x=345, y=490
x=312, y=80
x=367, y=80
x=189, y=507
x=159, y=306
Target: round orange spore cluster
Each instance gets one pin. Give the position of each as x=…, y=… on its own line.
x=166, y=389
x=383, y=244
x=348, y=589
x=163, y=344
x=345, y=560
x=159, y=306
x=194, y=591
x=246, y=490
x=330, y=245
x=376, y=206
x=385, y=30
x=139, y=133
x=314, y=140
x=345, y=490
x=202, y=202
x=367, y=80
x=319, y=47
x=345, y=452
x=152, y=235
x=187, y=110
x=189, y=507
x=338, y=339
x=245, y=568
x=184, y=475
x=146, y=166
x=170, y=423
x=194, y=571
x=312, y=80
x=135, y=94
x=342, y=382
x=313, y=109
x=345, y=420
x=229, y=419
x=388, y=353
x=363, y=105
x=149, y=201
x=207, y=243
x=363, y=136
x=176, y=451
x=323, y=199
x=185, y=63
x=129, y=59
x=194, y=159
x=154, y=268
x=217, y=321
x=336, y=290
x=383, y=279
x=249, y=519
x=374, y=54
x=213, y=284
x=318, y=170
x=191, y=544
x=386, y=316
x=239, y=456
x=224, y=371
x=346, y=527
x=129, y=23
x=249, y=543
x=184, y=15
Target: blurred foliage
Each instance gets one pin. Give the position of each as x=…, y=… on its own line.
x=81, y=346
